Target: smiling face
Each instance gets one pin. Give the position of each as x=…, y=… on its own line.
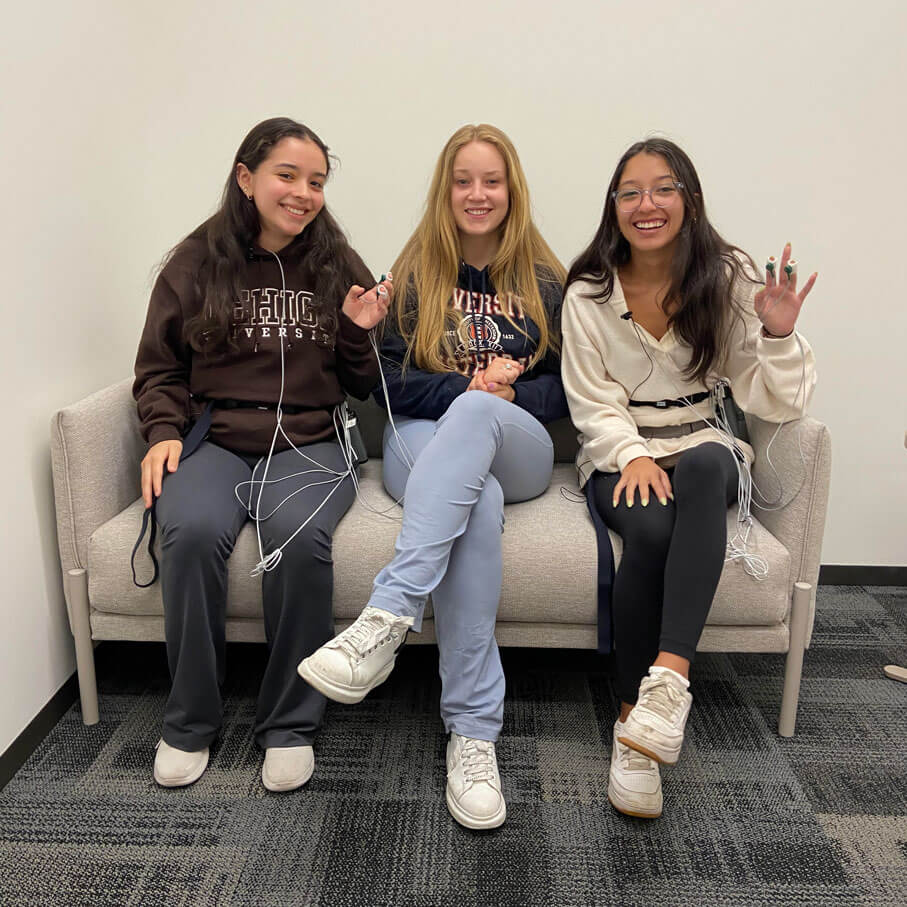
x=479, y=193
x=287, y=189
x=650, y=228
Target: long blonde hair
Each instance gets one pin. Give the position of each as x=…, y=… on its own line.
x=429, y=262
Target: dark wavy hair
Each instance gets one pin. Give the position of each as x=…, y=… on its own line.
x=232, y=230
x=703, y=271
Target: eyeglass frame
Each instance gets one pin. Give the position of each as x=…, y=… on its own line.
x=677, y=184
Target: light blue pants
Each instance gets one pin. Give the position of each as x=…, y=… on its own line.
x=481, y=453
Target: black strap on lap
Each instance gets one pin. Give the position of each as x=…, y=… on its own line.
x=605, y=575
x=193, y=438
x=667, y=404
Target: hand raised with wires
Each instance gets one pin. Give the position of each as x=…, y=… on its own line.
x=160, y=454
x=778, y=302
x=643, y=473
x=366, y=308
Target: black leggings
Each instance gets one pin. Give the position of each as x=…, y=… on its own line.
x=672, y=560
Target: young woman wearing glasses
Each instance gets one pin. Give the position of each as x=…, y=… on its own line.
x=657, y=308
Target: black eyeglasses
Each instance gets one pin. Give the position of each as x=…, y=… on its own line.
x=663, y=196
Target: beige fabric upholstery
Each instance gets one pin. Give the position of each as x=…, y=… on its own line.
x=541, y=635
x=793, y=471
x=96, y=449
x=549, y=545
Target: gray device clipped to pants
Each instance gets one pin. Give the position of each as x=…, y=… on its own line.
x=727, y=412
x=354, y=442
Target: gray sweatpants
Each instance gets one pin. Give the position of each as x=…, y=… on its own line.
x=481, y=453
x=200, y=518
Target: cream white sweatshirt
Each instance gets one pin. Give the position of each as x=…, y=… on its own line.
x=608, y=360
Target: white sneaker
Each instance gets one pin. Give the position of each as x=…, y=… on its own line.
x=287, y=767
x=360, y=658
x=177, y=768
x=634, y=782
x=655, y=726
x=474, y=795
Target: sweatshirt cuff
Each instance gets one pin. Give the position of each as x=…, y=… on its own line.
x=163, y=432
x=351, y=331
x=779, y=346
x=631, y=453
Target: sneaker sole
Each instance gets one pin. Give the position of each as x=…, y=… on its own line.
x=346, y=694
x=663, y=757
x=469, y=821
x=636, y=812
x=185, y=780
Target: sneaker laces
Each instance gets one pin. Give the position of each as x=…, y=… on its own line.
x=478, y=759
x=632, y=760
x=661, y=697
x=365, y=634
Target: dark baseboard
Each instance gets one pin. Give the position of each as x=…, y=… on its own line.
x=38, y=728
x=855, y=575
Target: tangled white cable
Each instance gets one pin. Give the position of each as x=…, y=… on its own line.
x=342, y=424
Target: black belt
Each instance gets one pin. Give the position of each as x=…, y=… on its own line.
x=671, y=431
x=692, y=399
x=288, y=408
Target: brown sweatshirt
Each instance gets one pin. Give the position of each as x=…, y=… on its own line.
x=172, y=380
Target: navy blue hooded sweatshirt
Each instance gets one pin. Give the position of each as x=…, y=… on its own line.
x=482, y=334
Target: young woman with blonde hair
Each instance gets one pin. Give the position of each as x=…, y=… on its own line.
x=473, y=373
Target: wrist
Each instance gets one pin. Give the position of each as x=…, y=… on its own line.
x=349, y=323
x=767, y=333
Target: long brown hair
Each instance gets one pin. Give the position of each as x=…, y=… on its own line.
x=232, y=230
x=704, y=268
x=428, y=265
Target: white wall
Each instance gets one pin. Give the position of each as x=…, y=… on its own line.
x=120, y=122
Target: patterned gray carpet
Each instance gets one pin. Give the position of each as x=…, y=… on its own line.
x=749, y=818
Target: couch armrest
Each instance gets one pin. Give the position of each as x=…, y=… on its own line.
x=803, y=490
x=96, y=449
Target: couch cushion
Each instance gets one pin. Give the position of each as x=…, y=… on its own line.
x=549, y=562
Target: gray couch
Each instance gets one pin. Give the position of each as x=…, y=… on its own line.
x=549, y=548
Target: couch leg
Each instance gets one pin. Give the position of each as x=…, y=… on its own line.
x=81, y=632
x=793, y=666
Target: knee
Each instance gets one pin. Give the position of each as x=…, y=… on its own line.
x=488, y=511
x=311, y=544
x=701, y=467
x=473, y=407
x=648, y=533
x=195, y=536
